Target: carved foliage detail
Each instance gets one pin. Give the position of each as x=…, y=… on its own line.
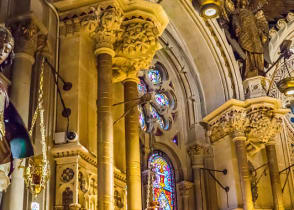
x=260, y=124
x=108, y=27
x=135, y=47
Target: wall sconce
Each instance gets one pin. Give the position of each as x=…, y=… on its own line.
x=208, y=8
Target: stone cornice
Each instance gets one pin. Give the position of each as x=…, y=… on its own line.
x=120, y=175
x=73, y=149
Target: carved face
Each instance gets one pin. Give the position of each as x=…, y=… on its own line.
x=6, y=43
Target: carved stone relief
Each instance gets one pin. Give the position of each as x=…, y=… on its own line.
x=259, y=120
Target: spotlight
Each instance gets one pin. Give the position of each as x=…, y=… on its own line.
x=286, y=86
x=208, y=8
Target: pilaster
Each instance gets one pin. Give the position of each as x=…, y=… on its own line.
x=196, y=153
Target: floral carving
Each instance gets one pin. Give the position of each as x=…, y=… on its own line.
x=135, y=47
x=259, y=123
x=108, y=27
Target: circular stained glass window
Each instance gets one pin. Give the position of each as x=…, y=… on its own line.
x=162, y=99
x=142, y=88
x=154, y=76
x=142, y=120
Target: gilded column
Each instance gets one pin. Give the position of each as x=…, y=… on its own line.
x=25, y=34
x=241, y=153
x=105, y=35
x=196, y=154
x=132, y=146
x=274, y=175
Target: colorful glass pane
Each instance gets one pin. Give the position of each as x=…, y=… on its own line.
x=142, y=120
x=154, y=113
x=162, y=99
x=142, y=88
x=154, y=76
x=162, y=123
x=163, y=185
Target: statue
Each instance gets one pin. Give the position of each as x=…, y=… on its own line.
x=247, y=23
x=14, y=139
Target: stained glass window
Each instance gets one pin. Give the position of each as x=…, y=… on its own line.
x=161, y=99
x=142, y=88
x=163, y=186
x=142, y=120
x=154, y=76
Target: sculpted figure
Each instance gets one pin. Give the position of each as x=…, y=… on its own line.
x=250, y=27
x=14, y=139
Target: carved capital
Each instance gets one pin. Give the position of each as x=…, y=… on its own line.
x=25, y=33
x=195, y=149
x=108, y=27
x=135, y=47
x=232, y=122
x=196, y=153
x=265, y=124
x=256, y=121
x=185, y=188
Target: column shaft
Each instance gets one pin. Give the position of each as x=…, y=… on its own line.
x=275, y=176
x=197, y=186
x=105, y=133
x=132, y=147
x=244, y=173
x=20, y=96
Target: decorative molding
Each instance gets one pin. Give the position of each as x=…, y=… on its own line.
x=73, y=149
x=258, y=120
x=281, y=31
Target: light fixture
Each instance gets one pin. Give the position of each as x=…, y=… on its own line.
x=208, y=8
x=286, y=86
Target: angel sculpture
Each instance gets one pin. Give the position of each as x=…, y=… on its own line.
x=248, y=24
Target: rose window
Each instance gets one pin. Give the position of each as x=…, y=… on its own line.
x=156, y=114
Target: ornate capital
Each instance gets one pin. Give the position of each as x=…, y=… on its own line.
x=25, y=33
x=136, y=47
x=233, y=121
x=255, y=120
x=196, y=153
x=196, y=149
x=265, y=124
x=108, y=28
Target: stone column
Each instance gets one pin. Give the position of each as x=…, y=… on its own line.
x=105, y=132
x=105, y=36
x=243, y=171
x=196, y=154
x=185, y=188
x=132, y=146
x=274, y=175
x=25, y=34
